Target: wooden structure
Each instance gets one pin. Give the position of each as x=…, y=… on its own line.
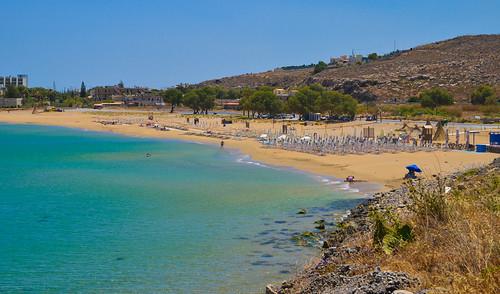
x=427, y=131
x=369, y=133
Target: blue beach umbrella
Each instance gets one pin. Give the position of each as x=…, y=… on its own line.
x=414, y=168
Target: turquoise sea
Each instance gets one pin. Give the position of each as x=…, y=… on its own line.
x=88, y=212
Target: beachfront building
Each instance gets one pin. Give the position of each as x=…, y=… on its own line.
x=233, y=104
x=6, y=81
x=143, y=99
x=115, y=93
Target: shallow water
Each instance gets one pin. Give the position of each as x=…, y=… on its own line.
x=90, y=212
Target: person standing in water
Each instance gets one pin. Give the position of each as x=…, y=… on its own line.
x=222, y=144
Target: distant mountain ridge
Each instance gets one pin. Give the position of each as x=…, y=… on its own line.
x=459, y=65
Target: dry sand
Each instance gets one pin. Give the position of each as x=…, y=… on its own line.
x=386, y=169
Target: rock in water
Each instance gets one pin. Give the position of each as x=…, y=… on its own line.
x=302, y=211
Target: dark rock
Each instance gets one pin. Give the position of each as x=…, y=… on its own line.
x=302, y=211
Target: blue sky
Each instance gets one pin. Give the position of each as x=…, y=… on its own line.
x=162, y=43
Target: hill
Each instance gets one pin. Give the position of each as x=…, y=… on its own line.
x=457, y=64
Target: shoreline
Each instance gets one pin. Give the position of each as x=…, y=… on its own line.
x=385, y=170
x=346, y=267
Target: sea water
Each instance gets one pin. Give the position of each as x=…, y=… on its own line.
x=96, y=212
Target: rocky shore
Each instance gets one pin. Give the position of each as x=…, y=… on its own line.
x=343, y=268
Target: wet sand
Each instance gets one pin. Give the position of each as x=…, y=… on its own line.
x=385, y=169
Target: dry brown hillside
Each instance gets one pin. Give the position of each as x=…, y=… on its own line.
x=458, y=64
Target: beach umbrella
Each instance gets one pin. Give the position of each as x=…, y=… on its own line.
x=282, y=137
x=414, y=168
x=305, y=138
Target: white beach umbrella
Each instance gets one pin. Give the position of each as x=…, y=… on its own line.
x=282, y=137
x=306, y=138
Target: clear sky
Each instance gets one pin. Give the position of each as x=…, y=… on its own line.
x=162, y=43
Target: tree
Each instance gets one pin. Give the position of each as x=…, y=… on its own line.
x=121, y=85
x=201, y=99
x=336, y=103
x=83, y=90
x=172, y=96
x=373, y=56
x=12, y=92
x=491, y=100
x=192, y=100
x=245, y=102
x=304, y=101
x=481, y=94
x=265, y=102
x=321, y=66
x=435, y=97
x=207, y=97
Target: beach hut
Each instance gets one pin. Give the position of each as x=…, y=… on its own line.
x=440, y=134
x=427, y=133
x=369, y=133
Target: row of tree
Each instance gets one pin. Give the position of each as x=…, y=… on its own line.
x=262, y=100
x=31, y=96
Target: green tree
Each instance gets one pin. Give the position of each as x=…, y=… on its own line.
x=305, y=100
x=491, y=100
x=245, y=101
x=200, y=100
x=207, y=97
x=435, y=97
x=265, y=102
x=192, y=100
x=233, y=94
x=12, y=92
x=336, y=103
x=373, y=56
x=481, y=94
x=172, y=96
x=321, y=66
x=83, y=90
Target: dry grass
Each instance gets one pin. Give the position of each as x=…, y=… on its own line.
x=460, y=252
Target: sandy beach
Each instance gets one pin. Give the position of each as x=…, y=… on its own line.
x=386, y=169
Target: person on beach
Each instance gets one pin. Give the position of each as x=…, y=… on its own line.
x=222, y=144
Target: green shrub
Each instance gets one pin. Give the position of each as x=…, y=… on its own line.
x=389, y=233
x=435, y=97
x=429, y=202
x=482, y=94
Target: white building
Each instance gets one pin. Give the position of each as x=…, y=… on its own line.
x=19, y=80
